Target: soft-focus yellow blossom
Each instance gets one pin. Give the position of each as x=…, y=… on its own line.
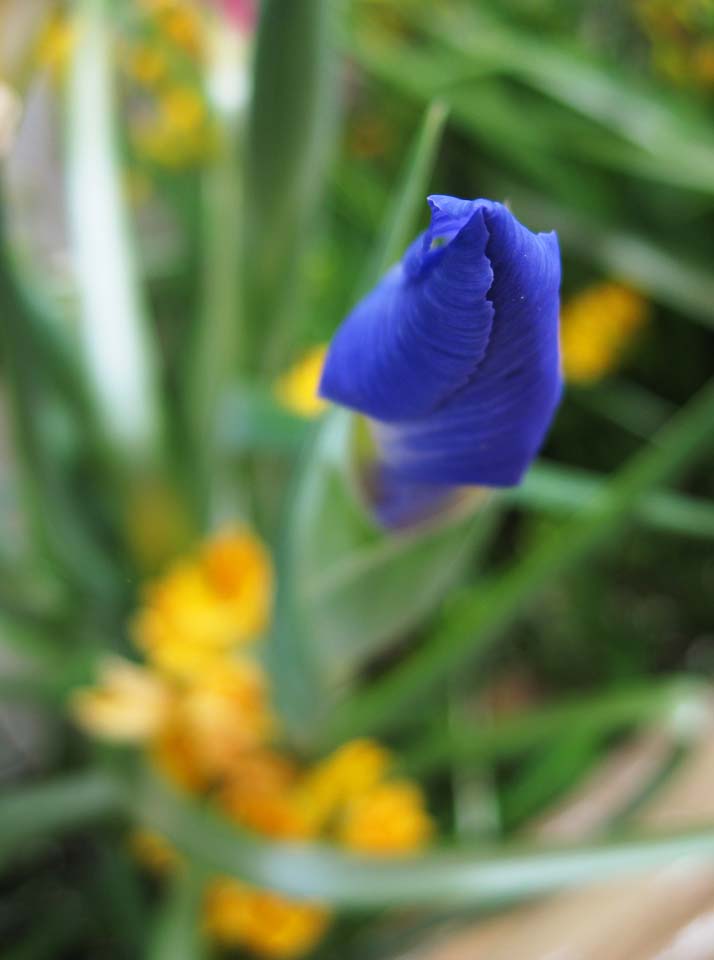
x=262, y=796
x=182, y=627
x=172, y=752
x=597, y=327
x=182, y=24
x=129, y=704
x=225, y=714
x=202, y=608
x=350, y=771
x=153, y=851
x=266, y=923
x=388, y=820
x=147, y=64
x=183, y=111
x=296, y=389
x=237, y=567
x=55, y=44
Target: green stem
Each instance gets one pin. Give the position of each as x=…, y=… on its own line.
x=473, y=623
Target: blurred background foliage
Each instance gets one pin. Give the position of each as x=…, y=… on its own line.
x=188, y=211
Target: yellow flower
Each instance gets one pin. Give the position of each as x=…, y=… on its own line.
x=129, y=704
x=237, y=567
x=184, y=28
x=200, y=610
x=270, y=925
x=387, y=820
x=353, y=769
x=225, y=714
x=55, y=44
x=182, y=111
x=597, y=326
x=297, y=388
x=219, y=719
x=146, y=64
x=262, y=796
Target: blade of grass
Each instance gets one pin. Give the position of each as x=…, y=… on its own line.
x=58, y=525
x=290, y=130
x=564, y=490
x=177, y=933
x=669, y=132
x=628, y=405
x=118, y=355
x=508, y=738
x=214, y=355
x=472, y=625
x=32, y=813
x=449, y=878
x=401, y=220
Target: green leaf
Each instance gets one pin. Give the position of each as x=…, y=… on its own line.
x=470, y=877
x=473, y=624
x=32, y=813
x=116, y=349
x=400, y=222
x=58, y=522
x=630, y=406
x=668, y=132
x=601, y=714
x=213, y=357
x=290, y=131
x=564, y=491
x=346, y=587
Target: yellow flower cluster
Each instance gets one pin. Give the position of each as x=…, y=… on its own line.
x=681, y=36
x=160, y=56
x=597, y=326
x=201, y=708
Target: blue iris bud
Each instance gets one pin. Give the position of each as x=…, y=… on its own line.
x=454, y=355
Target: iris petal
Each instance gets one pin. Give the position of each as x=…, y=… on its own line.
x=454, y=354
x=420, y=333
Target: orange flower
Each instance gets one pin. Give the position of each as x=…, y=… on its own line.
x=237, y=915
x=388, y=820
x=353, y=769
x=262, y=796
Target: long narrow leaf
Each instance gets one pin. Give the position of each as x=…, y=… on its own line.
x=597, y=713
x=116, y=346
x=288, y=139
x=32, y=813
x=459, y=877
